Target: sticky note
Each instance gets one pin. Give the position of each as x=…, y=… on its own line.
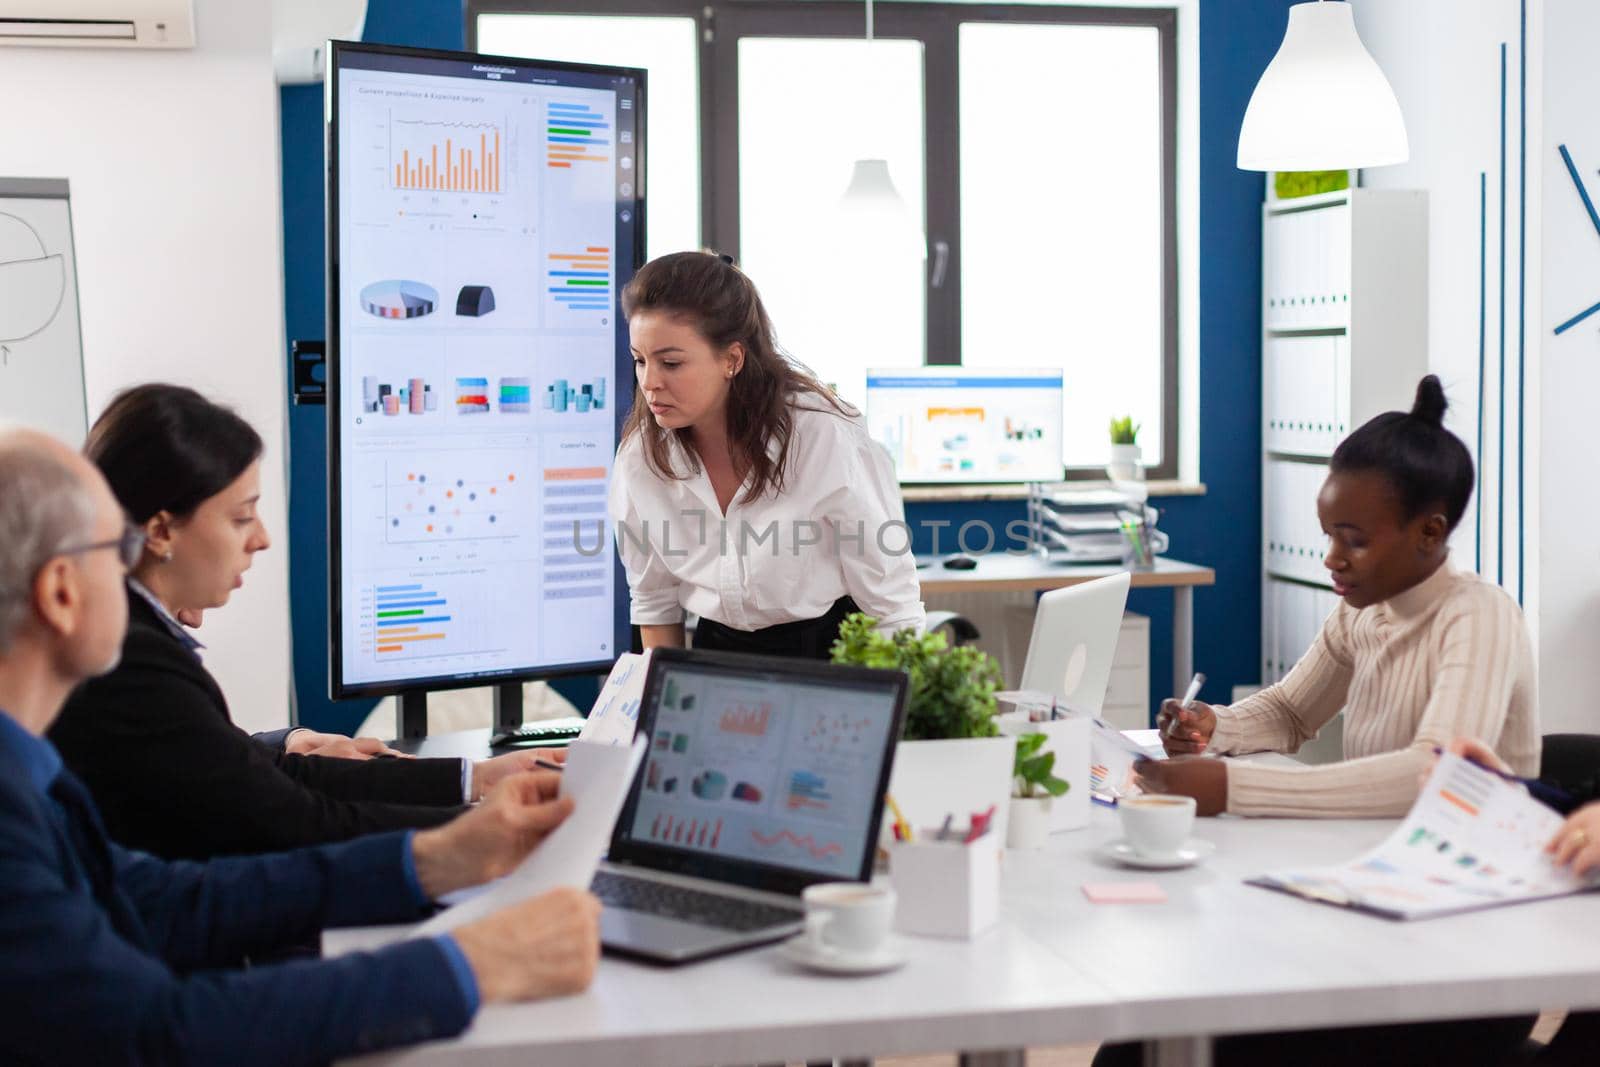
x=1124, y=893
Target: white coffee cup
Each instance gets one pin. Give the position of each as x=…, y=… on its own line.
x=851, y=918
x=1156, y=826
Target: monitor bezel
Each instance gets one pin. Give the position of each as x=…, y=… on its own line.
x=338, y=687
x=770, y=878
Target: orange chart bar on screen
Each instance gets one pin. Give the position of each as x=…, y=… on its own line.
x=463, y=170
x=573, y=474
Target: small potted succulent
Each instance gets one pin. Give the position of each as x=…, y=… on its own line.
x=1126, y=462
x=1033, y=789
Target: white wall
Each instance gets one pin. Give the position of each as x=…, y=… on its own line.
x=1569, y=379
x=1443, y=58
x=173, y=162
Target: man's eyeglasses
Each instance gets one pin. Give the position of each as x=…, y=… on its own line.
x=129, y=546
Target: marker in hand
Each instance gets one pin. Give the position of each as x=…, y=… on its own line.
x=1188, y=698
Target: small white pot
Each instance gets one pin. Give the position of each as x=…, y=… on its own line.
x=1029, y=826
x=1126, y=464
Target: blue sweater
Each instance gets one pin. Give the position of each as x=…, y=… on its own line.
x=109, y=956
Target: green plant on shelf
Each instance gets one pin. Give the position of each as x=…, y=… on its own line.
x=951, y=690
x=1124, y=431
x=1289, y=184
x=1031, y=773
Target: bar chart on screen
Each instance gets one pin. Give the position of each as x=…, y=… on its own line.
x=580, y=280
x=446, y=617
x=575, y=134
x=457, y=157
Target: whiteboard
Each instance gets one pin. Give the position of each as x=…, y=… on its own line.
x=41, y=346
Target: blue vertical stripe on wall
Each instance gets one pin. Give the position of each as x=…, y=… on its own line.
x=1522, y=288
x=1221, y=529
x=1483, y=353
x=1500, y=452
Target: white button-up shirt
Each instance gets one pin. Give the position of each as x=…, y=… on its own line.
x=836, y=528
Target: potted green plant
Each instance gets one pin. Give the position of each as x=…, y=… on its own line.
x=1126, y=462
x=952, y=689
x=1034, y=788
x=951, y=759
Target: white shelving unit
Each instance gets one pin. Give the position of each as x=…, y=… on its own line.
x=1344, y=337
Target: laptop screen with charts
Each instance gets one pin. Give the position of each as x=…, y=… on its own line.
x=766, y=773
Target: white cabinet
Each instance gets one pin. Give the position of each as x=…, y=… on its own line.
x=1344, y=337
x=1127, y=703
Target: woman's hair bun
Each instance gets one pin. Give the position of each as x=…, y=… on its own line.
x=1430, y=404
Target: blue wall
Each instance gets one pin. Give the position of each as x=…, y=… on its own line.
x=1221, y=529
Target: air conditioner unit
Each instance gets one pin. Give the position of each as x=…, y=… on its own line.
x=98, y=23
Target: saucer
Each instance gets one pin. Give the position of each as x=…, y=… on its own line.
x=802, y=950
x=1193, y=851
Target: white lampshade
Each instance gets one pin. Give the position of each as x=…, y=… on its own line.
x=873, y=209
x=871, y=187
x=1322, y=103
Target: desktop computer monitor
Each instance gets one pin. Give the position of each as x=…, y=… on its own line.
x=484, y=214
x=946, y=425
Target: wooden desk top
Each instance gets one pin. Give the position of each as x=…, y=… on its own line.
x=1001, y=571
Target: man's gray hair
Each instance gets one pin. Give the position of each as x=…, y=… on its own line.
x=44, y=509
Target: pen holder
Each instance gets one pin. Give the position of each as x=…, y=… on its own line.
x=1141, y=543
x=946, y=888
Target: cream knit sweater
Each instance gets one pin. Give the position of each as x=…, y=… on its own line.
x=1449, y=657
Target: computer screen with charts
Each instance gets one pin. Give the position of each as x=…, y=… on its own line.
x=483, y=216
x=961, y=424
x=757, y=765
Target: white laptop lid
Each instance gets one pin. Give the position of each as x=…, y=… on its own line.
x=1074, y=641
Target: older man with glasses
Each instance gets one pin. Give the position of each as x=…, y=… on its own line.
x=109, y=956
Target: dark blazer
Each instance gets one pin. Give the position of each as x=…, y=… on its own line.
x=174, y=776
x=110, y=957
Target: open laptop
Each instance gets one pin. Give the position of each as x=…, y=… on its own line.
x=1074, y=641
x=764, y=776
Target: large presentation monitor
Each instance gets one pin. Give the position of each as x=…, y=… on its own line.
x=483, y=216
x=959, y=424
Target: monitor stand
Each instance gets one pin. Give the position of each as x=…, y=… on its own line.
x=411, y=719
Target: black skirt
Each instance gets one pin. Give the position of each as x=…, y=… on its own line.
x=802, y=639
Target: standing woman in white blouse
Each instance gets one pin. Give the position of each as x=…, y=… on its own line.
x=744, y=491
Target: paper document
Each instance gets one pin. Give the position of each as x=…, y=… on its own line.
x=597, y=778
x=1112, y=752
x=1472, y=840
x=616, y=710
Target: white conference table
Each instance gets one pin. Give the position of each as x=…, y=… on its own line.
x=1218, y=957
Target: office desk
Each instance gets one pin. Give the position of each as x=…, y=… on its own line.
x=1218, y=957
x=1008, y=572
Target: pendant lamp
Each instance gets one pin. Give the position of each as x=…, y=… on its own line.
x=1322, y=103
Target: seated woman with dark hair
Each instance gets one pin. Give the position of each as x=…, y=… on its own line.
x=1418, y=652
x=153, y=739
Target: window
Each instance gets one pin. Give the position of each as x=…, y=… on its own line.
x=1031, y=151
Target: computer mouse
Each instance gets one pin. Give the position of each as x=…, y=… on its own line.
x=960, y=563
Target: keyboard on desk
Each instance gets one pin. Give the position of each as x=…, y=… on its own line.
x=550, y=733
x=690, y=905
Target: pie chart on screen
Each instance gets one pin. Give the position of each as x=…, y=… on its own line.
x=399, y=299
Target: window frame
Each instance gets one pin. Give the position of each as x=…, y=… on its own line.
x=937, y=25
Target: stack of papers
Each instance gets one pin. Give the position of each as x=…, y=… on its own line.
x=1085, y=525
x=1472, y=840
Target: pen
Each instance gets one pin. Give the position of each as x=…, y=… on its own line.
x=1188, y=698
x=547, y=765
x=944, y=831
x=902, y=828
x=1551, y=795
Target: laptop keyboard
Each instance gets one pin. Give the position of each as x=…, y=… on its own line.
x=690, y=905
